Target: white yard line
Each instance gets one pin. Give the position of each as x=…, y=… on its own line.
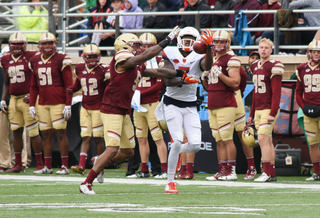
x=163, y=182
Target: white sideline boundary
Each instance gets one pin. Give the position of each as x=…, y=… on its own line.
x=137, y=181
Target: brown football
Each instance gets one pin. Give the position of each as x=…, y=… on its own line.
x=200, y=46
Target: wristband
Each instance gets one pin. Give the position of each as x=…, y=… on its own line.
x=164, y=43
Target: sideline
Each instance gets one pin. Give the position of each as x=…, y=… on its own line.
x=137, y=181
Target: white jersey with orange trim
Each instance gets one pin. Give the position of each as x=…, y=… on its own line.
x=191, y=63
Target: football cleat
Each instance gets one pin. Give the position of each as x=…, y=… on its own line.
x=314, y=177
x=162, y=175
x=2, y=169
x=16, y=169
x=140, y=174
x=214, y=177
x=78, y=169
x=86, y=189
x=171, y=188
x=187, y=176
x=180, y=175
x=63, y=170
x=263, y=178
x=44, y=170
x=251, y=173
x=100, y=177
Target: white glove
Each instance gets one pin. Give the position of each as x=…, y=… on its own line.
x=216, y=70
x=32, y=112
x=4, y=106
x=67, y=112
x=175, y=31
x=205, y=74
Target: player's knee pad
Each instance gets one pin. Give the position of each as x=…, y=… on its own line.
x=97, y=133
x=33, y=132
x=194, y=148
x=157, y=135
x=175, y=147
x=226, y=135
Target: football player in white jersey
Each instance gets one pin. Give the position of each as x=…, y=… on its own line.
x=180, y=99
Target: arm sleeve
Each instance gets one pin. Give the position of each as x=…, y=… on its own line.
x=300, y=4
x=76, y=85
x=153, y=89
x=253, y=108
x=34, y=90
x=276, y=83
x=67, y=81
x=299, y=94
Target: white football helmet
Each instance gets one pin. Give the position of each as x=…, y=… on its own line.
x=314, y=45
x=187, y=44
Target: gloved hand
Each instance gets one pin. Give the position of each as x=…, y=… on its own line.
x=26, y=99
x=32, y=112
x=174, y=33
x=205, y=75
x=181, y=73
x=216, y=70
x=188, y=79
x=207, y=37
x=70, y=91
x=4, y=106
x=67, y=112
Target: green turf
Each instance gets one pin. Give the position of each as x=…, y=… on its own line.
x=36, y=198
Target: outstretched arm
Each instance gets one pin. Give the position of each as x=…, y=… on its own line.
x=149, y=53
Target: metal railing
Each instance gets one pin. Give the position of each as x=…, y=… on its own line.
x=65, y=28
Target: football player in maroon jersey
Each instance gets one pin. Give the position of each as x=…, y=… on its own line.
x=17, y=84
x=126, y=69
x=150, y=89
x=221, y=81
x=51, y=77
x=267, y=79
x=307, y=95
x=92, y=77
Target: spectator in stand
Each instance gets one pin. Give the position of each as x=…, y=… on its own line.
x=212, y=3
x=221, y=20
x=107, y=39
x=156, y=22
x=132, y=22
x=189, y=20
x=252, y=58
x=94, y=21
x=267, y=20
x=310, y=19
x=252, y=19
x=90, y=4
x=172, y=5
x=32, y=23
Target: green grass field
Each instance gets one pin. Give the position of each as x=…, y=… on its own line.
x=28, y=195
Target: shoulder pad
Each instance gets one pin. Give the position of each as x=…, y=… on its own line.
x=122, y=56
x=277, y=69
x=234, y=62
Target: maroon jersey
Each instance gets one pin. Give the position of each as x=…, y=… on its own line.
x=308, y=85
x=50, y=79
x=93, y=82
x=267, y=80
x=118, y=94
x=18, y=72
x=150, y=87
x=219, y=94
x=243, y=82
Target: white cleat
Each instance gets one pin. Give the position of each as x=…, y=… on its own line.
x=86, y=189
x=44, y=170
x=162, y=175
x=263, y=178
x=63, y=170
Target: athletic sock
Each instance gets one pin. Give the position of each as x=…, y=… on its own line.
x=91, y=176
x=39, y=158
x=18, y=158
x=164, y=167
x=144, y=167
x=64, y=160
x=83, y=159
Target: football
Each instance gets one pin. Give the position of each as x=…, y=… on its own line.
x=200, y=46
